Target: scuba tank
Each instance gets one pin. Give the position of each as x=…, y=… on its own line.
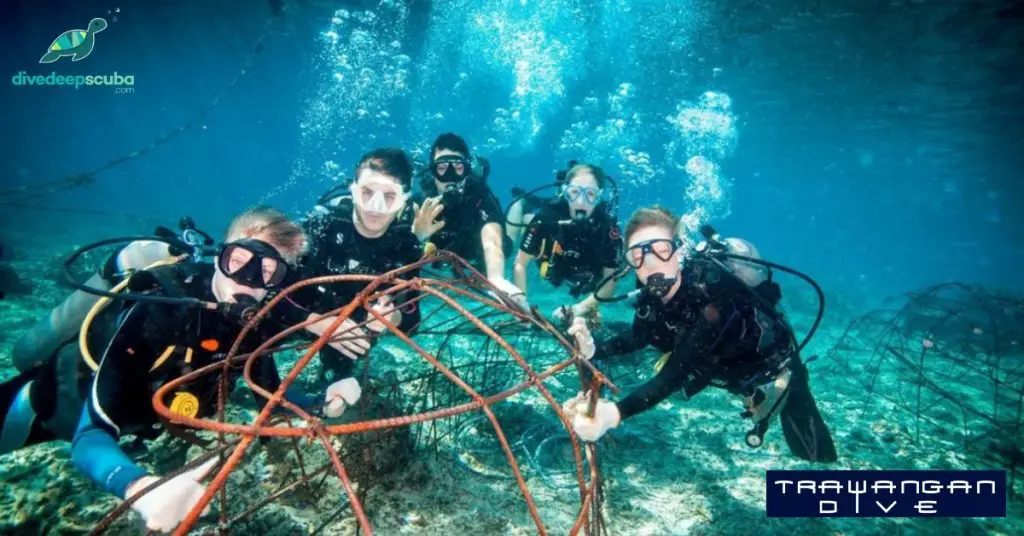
x=716, y=251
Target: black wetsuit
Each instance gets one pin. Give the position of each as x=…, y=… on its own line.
x=337, y=248
x=464, y=217
x=140, y=346
x=49, y=357
x=720, y=335
x=575, y=253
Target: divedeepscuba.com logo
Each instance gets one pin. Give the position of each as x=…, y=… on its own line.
x=122, y=82
x=78, y=45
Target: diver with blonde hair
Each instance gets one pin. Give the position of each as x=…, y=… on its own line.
x=170, y=319
x=575, y=240
x=714, y=313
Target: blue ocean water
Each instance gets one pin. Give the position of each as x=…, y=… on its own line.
x=873, y=145
x=879, y=161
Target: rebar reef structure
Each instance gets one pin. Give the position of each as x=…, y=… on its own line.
x=426, y=401
x=947, y=367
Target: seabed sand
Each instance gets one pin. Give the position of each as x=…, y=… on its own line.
x=679, y=469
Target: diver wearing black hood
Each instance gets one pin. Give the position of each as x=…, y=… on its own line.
x=715, y=329
x=575, y=239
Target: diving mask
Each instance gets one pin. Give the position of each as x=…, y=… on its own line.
x=378, y=195
x=582, y=194
x=253, y=263
x=662, y=248
x=450, y=168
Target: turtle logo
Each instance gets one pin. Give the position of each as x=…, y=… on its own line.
x=75, y=43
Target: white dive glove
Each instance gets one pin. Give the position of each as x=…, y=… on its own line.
x=340, y=395
x=565, y=313
x=606, y=416
x=517, y=296
x=349, y=339
x=584, y=339
x=167, y=505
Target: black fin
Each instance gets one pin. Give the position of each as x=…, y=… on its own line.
x=806, y=433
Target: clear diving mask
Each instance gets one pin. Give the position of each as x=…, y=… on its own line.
x=378, y=195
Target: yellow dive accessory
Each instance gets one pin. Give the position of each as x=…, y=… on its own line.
x=429, y=249
x=661, y=361
x=185, y=404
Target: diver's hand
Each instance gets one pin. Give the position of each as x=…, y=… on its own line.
x=386, y=309
x=562, y=314
x=340, y=395
x=606, y=416
x=514, y=294
x=349, y=339
x=167, y=505
x=565, y=313
x=425, y=225
x=584, y=339
x=574, y=406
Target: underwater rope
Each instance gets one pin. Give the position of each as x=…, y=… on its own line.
x=29, y=192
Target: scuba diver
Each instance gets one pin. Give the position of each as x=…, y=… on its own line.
x=173, y=319
x=576, y=240
x=367, y=232
x=718, y=324
x=54, y=347
x=456, y=211
x=58, y=331
x=525, y=205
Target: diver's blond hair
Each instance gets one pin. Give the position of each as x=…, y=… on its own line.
x=274, y=227
x=599, y=175
x=654, y=216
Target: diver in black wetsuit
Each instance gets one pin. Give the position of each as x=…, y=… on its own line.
x=367, y=232
x=525, y=205
x=178, y=318
x=575, y=239
x=456, y=211
x=714, y=330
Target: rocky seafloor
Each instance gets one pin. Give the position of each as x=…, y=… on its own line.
x=679, y=469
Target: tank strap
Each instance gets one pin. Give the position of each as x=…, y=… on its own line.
x=170, y=285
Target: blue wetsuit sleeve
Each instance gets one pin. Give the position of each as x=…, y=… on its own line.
x=119, y=397
x=95, y=452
